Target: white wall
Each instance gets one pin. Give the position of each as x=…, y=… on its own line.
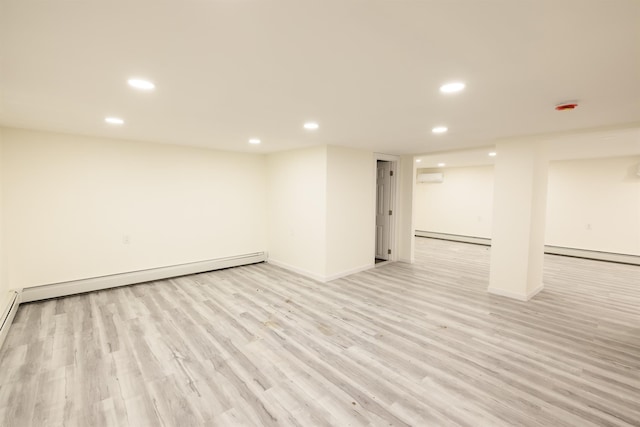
x=595, y=204
x=70, y=201
x=350, y=210
x=321, y=210
x=592, y=204
x=297, y=188
x=461, y=204
x=82, y=207
x=519, y=208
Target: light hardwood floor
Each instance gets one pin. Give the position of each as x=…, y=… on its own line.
x=421, y=345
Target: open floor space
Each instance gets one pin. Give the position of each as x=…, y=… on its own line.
x=420, y=344
x=244, y=213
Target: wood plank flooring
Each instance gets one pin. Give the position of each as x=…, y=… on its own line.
x=420, y=345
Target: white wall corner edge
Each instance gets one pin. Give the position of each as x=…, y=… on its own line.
x=297, y=270
x=318, y=277
x=350, y=272
x=61, y=289
x=516, y=295
x=9, y=308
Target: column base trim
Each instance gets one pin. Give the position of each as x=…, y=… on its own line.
x=296, y=270
x=516, y=295
x=318, y=277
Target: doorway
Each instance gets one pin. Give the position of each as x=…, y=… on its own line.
x=385, y=204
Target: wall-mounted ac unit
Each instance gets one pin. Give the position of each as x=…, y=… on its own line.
x=431, y=177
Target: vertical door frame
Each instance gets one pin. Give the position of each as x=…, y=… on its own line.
x=395, y=188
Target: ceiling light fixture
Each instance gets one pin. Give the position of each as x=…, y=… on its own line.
x=141, y=84
x=418, y=160
x=439, y=129
x=493, y=154
x=114, y=120
x=311, y=126
x=452, y=87
x=254, y=141
x=441, y=165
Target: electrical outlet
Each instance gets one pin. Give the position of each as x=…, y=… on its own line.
x=588, y=226
x=126, y=239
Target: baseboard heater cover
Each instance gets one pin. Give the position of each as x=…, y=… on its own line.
x=61, y=289
x=596, y=255
x=9, y=309
x=454, y=237
x=552, y=250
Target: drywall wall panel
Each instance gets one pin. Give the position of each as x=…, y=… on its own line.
x=297, y=186
x=406, y=197
x=461, y=204
x=350, y=210
x=594, y=204
x=79, y=207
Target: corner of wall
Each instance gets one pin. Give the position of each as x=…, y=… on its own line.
x=349, y=211
x=320, y=211
x=405, y=204
x=296, y=210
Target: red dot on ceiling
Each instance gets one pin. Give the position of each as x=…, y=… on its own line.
x=568, y=106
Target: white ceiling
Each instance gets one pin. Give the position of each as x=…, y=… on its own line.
x=367, y=71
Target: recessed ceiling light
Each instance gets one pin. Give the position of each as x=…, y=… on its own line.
x=439, y=129
x=311, y=126
x=418, y=160
x=493, y=154
x=254, y=141
x=114, y=121
x=452, y=87
x=441, y=165
x=141, y=84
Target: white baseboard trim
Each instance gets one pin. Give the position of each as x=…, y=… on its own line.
x=349, y=272
x=9, y=308
x=297, y=270
x=516, y=295
x=382, y=263
x=407, y=260
x=319, y=277
x=61, y=289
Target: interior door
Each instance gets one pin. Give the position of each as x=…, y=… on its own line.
x=383, y=207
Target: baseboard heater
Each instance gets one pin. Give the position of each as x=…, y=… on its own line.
x=454, y=237
x=61, y=289
x=596, y=255
x=552, y=250
x=9, y=309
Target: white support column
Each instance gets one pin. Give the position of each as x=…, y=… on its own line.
x=405, y=233
x=519, y=215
